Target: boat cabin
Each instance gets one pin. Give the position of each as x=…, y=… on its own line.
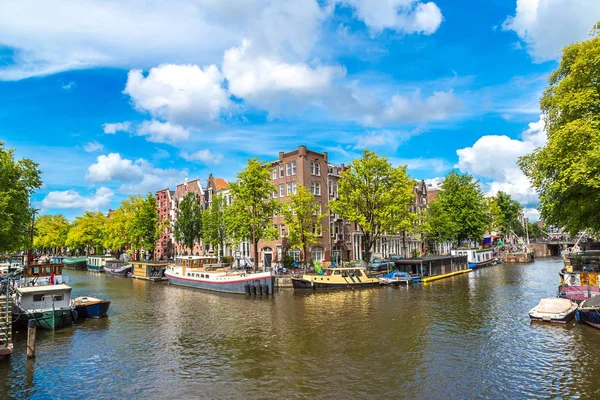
x=98, y=262
x=43, y=297
x=149, y=270
x=205, y=262
x=432, y=266
x=41, y=274
x=475, y=256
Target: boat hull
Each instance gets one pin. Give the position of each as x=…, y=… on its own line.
x=481, y=264
x=123, y=271
x=79, y=265
x=47, y=319
x=93, y=310
x=235, y=285
x=95, y=268
x=562, y=319
x=304, y=284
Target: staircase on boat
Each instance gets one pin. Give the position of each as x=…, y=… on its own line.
x=6, y=344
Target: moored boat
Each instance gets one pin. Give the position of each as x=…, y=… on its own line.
x=117, y=267
x=336, y=278
x=207, y=274
x=395, y=278
x=96, y=263
x=48, y=305
x=589, y=312
x=553, y=309
x=78, y=263
x=91, y=307
x=149, y=270
x=578, y=293
x=476, y=257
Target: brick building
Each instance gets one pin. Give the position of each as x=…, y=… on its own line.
x=165, y=211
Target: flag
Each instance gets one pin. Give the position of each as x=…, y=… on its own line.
x=51, y=282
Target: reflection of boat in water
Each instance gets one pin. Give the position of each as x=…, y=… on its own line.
x=207, y=274
x=589, y=312
x=337, y=278
x=91, y=307
x=48, y=305
x=553, y=309
x=395, y=278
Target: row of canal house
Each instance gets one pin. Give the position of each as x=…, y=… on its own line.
x=339, y=239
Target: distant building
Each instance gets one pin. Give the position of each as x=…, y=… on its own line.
x=166, y=212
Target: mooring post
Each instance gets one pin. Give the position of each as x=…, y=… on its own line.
x=31, y=339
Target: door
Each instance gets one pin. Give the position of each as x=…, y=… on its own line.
x=268, y=259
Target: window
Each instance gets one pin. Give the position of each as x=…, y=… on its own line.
x=317, y=169
x=274, y=194
x=58, y=298
x=295, y=254
x=294, y=189
x=282, y=230
x=289, y=189
x=312, y=167
x=281, y=171
x=317, y=229
x=288, y=169
x=316, y=254
x=330, y=187
x=38, y=297
x=281, y=193
x=275, y=173
x=293, y=167
x=315, y=188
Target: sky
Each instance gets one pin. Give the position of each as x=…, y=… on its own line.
x=116, y=98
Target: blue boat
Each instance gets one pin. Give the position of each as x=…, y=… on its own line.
x=589, y=312
x=91, y=307
x=395, y=278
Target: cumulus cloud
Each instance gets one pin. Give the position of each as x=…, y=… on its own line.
x=162, y=132
x=404, y=16
x=179, y=93
x=93, y=146
x=206, y=156
x=113, y=168
x=384, y=138
x=153, y=179
x=495, y=158
x=262, y=79
x=546, y=26
x=72, y=199
x=110, y=128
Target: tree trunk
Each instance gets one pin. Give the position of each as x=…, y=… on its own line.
x=256, y=254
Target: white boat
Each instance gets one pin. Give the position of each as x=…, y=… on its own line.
x=475, y=257
x=553, y=309
x=49, y=306
x=207, y=274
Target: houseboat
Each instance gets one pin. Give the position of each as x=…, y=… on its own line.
x=78, y=263
x=337, y=278
x=96, y=263
x=432, y=267
x=207, y=274
x=117, y=267
x=49, y=306
x=581, y=280
x=476, y=257
x=148, y=270
x=41, y=275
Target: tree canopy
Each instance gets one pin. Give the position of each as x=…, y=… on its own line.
x=87, y=231
x=50, y=232
x=565, y=171
x=188, y=225
x=145, y=224
x=117, y=227
x=213, y=222
x=504, y=212
x=459, y=213
x=376, y=196
x=303, y=218
x=251, y=214
x=18, y=181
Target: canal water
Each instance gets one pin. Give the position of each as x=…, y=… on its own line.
x=465, y=337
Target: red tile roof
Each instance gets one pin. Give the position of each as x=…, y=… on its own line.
x=220, y=183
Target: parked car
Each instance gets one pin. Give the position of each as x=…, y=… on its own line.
x=395, y=258
x=378, y=264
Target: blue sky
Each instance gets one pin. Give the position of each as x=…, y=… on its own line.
x=115, y=98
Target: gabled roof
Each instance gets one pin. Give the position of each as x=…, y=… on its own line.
x=220, y=183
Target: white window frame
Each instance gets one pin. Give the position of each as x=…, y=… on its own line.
x=281, y=190
x=289, y=188
x=281, y=170
x=282, y=230
x=293, y=167
x=274, y=173
x=294, y=188
x=317, y=250
x=315, y=188
x=288, y=169
x=317, y=169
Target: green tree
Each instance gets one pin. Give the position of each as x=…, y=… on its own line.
x=504, y=212
x=18, y=181
x=145, y=224
x=118, y=228
x=459, y=213
x=535, y=232
x=250, y=216
x=303, y=217
x=213, y=222
x=376, y=196
x=50, y=232
x=565, y=171
x=188, y=226
x=87, y=232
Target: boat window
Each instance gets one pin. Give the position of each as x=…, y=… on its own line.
x=58, y=298
x=38, y=297
x=336, y=272
x=36, y=270
x=207, y=276
x=344, y=273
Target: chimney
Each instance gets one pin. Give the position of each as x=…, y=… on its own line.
x=302, y=151
x=281, y=156
x=325, y=156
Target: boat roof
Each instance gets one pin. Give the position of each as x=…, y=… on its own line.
x=343, y=268
x=44, y=288
x=195, y=257
x=102, y=256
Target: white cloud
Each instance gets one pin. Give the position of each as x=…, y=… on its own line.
x=262, y=80
x=68, y=86
x=437, y=165
x=58, y=35
x=72, y=199
x=179, y=93
x=546, y=26
x=110, y=128
x=113, y=168
x=206, y=156
x=434, y=183
x=162, y=132
x=404, y=16
x=384, y=138
x=153, y=179
x=415, y=108
x=495, y=158
x=93, y=146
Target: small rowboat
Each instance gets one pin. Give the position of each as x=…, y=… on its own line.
x=91, y=307
x=395, y=278
x=553, y=310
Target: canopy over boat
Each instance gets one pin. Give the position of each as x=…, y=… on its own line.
x=554, y=305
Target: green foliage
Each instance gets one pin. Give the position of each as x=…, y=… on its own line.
x=50, y=232
x=504, y=212
x=213, y=222
x=251, y=214
x=288, y=262
x=376, y=196
x=145, y=224
x=459, y=213
x=303, y=218
x=565, y=171
x=87, y=231
x=188, y=226
x=118, y=232
x=535, y=232
x=18, y=181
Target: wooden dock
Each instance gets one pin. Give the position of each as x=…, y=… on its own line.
x=6, y=344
